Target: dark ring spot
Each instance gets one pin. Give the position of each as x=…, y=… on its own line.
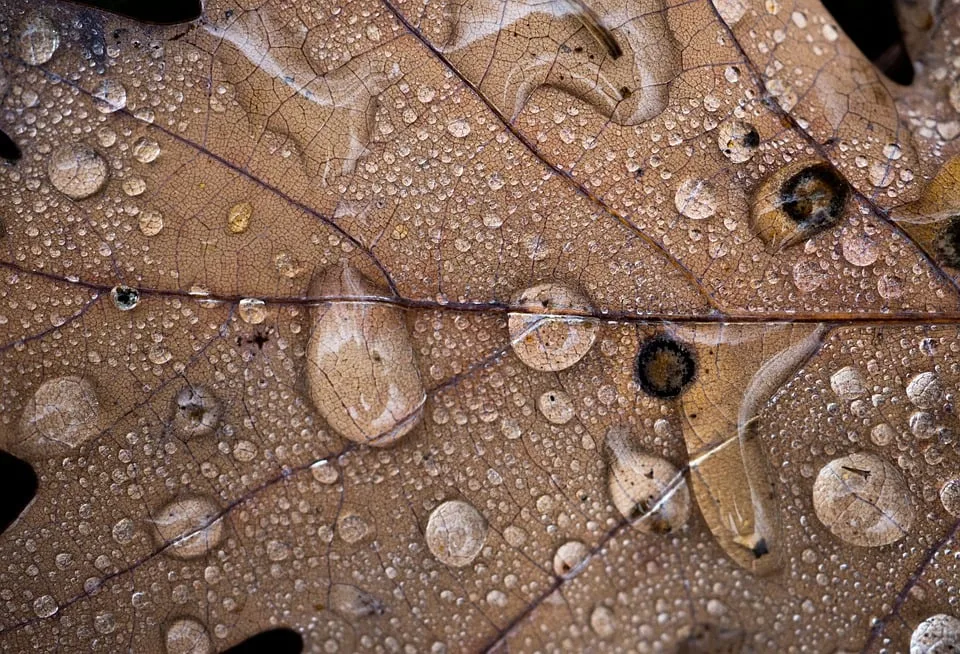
x=814, y=197
x=665, y=367
x=947, y=243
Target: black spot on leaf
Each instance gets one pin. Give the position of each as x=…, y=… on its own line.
x=164, y=13
x=9, y=150
x=947, y=243
x=873, y=25
x=274, y=641
x=18, y=488
x=665, y=367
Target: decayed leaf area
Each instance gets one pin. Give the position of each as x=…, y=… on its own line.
x=480, y=325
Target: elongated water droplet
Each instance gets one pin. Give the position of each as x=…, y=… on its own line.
x=361, y=370
x=38, y=40
x=189, y=527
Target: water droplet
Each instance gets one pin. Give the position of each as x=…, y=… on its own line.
x=731, y=11
x=109, y=96
x=187, y=636
x=938, y=634
x=62, y=415
x=925, y=391
x=362, y=373
x=950, y=497
x=798, y=202
x=459, y=128
x=134, y=186
x=709, y=638
x=645, y=488
x=569, y=557
x=859, y=250
x=189, y=527
x=124, y=530
x=151, y=222
x=324, y=472
x=45, y=606
x=847, y=383
x=252, y=311
x=277, y=550
x=38, y=40
x=352, y=528
x=353, y=603
x=124, y=297
x=863, y=500
x=146, y=150
x=238, y=217
x=882, y=434
x=665, y=367
x=456, y=532
x=77, y=170
x=196, y=411
x=556, y=406
x=738, y=140
x=603, y=622
x=696, y=199
x=547, y=341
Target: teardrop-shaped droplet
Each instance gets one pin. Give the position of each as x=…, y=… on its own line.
x=362, y=373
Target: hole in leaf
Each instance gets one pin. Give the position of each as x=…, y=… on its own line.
x=9, y=150
x=18, y=488
x=873, y=25
x=274, y=641
x=163, y=13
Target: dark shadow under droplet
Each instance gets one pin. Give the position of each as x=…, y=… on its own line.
x=873, y=25
x=665, y=367
x=17, y=488
x=168, y=12
x=9, y=150
x=274, y=641
x=814, y=198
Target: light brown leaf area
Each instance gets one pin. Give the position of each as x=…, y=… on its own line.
x=436, y=327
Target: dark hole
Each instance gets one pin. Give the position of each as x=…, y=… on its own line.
x=18, y=488
x=275, y=641
x=9, y=150
x=162, y=13
x=874, y=27
x=760, y=549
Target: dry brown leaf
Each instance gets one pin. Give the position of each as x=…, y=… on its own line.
x=678, y=281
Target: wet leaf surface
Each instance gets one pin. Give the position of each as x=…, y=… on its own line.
x=479, y=326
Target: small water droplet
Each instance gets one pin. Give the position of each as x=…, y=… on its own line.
x=324, y=472
x=950, y=497
x=544, y=338
x=189, y=527
x=238, y=217
x=556, y=406
x=354, y=603
x=352, y=528
x=252, y=311
x=151, y=222
x=847, y=383
x=146, y=150
x=196, y=411
x=110, y=96
x=738, y=140
x=124, y=297
x=455, y=534
x=696, y=199
x=569, y=557
x=925, y=391
x=602, y=622
x=459, y=128
x=45, y=606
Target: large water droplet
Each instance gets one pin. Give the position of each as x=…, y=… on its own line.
x=77, y=170
x=45, y=606
x=925, y=391
x=38, y=40
x=189, y=526
x=187, y=636
x=938, y=634
x=361, y=370
x=109, y=96
x=456, y=532
x=950, y=497
x=542, y=337
x=863, y=500
x=645, y=487
x=62, y=415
